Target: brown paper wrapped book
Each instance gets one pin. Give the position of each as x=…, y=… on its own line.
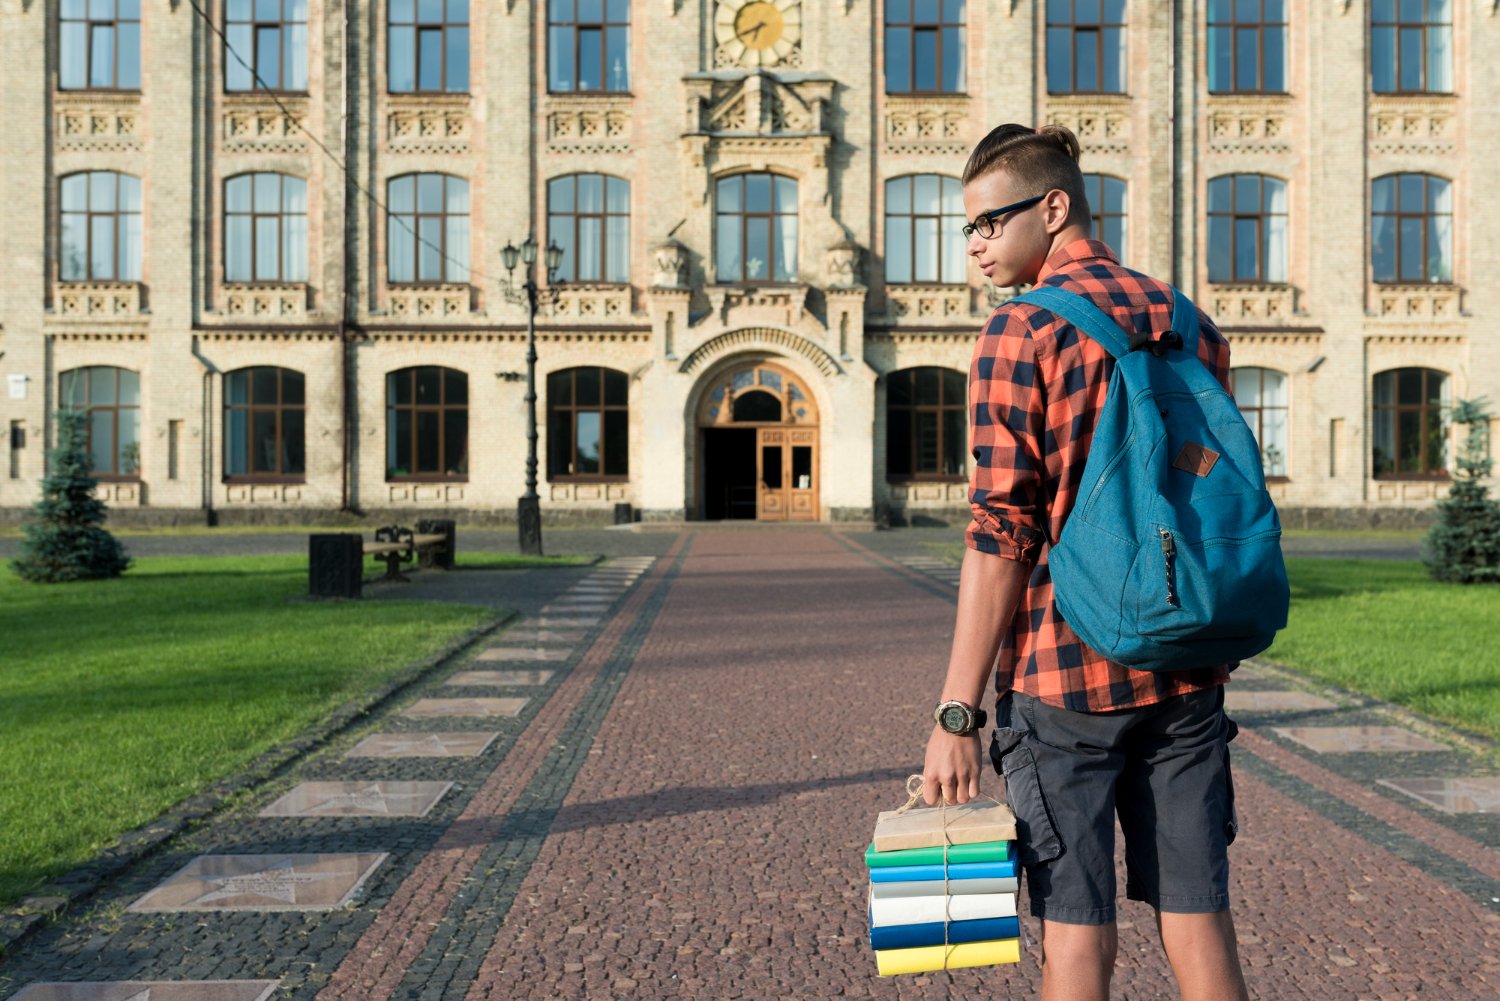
x=965, y=824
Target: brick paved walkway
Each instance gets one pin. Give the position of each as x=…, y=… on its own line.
x=678, y=810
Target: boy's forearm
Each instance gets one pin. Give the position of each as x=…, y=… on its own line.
x=989, y=589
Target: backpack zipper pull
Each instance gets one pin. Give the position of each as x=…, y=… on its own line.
x=1169, y=553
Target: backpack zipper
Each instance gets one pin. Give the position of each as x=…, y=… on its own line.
x=1169, y=553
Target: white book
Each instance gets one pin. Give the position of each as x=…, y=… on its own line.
x=925, y=910
x=956, y=887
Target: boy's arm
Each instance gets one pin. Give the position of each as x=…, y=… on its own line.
x=989, y=588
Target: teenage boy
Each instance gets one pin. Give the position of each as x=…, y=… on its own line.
x=1078, y=738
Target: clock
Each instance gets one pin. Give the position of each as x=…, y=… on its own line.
x=758, y=32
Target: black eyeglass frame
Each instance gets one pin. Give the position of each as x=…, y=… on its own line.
x=984, y=222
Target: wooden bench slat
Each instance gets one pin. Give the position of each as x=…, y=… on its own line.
x=428, y=540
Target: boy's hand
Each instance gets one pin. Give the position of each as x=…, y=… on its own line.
x=951, y=769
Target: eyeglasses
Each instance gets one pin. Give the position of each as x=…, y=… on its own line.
x=984, y=223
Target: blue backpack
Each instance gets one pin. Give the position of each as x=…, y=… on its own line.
x=1171, y=558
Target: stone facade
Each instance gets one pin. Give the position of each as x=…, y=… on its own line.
x=691, y=116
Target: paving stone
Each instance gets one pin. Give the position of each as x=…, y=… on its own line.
x=428, y=708
x=358, y=799
x=544, y=637
x=1253, y=701
x=1347, y=739
x=152, y=990
x=521, y=653
x=456, y=744
x=477, y=678
x=262, y=883
x=566, y=621
x=1461, y=795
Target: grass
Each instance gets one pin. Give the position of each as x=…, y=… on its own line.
x=512, y=561
x=120, y=698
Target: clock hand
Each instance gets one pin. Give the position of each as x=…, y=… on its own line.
x=756, y=30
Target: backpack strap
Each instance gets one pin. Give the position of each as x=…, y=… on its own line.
x=1185, y=322
x=1081, y=312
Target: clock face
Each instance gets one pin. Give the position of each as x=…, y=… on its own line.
x=758, y=32
x=954, y=719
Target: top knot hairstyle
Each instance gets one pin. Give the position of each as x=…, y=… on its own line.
x=1041, y=159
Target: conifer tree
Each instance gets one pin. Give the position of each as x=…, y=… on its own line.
x=64, y=538
x=1464, y=545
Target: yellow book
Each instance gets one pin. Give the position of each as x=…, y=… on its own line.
x=890, y=962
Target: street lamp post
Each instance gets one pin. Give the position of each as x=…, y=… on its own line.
x=530, y=295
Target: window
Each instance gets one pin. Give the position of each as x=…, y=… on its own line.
x=264, y=424
x=924, y=46
x=1411, y=228
x=427, y=424
x=1247, y=229
x=101, y=227
x=266, y=45
x=427, y=236
x=757, y=228
x=588, y=46
x=112, y=399
x=924, y=221
x=588, y=216
x=1410, y=439
x=429, y=46
x=588, y=424
x=1260, y=394
x=1411, y=46
x=1106, y=197
x=926, y=424
x=99, y=45
x=1247, y=46
x=265, y=228
x=1086, y=46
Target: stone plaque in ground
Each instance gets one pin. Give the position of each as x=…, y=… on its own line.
x=1251, y=701
x=1470, y=795
x=1350, y=739
x=262, y=883
x=358, y=799
x=427, y=708
x=457, y=744
x=521, y=653
x=500, y=678
x=151, y=990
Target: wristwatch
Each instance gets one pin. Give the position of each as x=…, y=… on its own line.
x=957, y=718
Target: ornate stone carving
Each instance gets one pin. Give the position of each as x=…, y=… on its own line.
x=742, y=305
x=914, y=303
x=1428, y=302
x=592, y=303
x=669, y=264
x=262, y=127
x=1249, y=126
x=926, y=125
x=98, y=300
x=596, y=124
x=842, y=262
x=429, y=302
x=266, y=302
x=758, y=104
x=102, y=124
x=1402, y=125
x=428, y=130
x=1239, y=304
x=1101, y=123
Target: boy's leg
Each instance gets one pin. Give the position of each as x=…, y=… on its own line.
x=1077, y=961
x=1203, y=954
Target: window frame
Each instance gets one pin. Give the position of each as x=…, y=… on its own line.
x=416, y=215
x=1100, y=184
x=1257, y=426
x=442, y=408
x=573, y=408
x=251, y=407
x=946, y=186
x=1427, y=474
x=743, y=214
x=281, y=216
x=1074, y=27
x=605, y=228
x=87, y=373
x=893, y=411
x=121, y=231
x=1234, y=26
x=443, y=28
x=1398, y=27
x=90, y=23
x=575, y=27
x=283, y=24
x=1429, y=224
x=911, y=28
x=1261, y=218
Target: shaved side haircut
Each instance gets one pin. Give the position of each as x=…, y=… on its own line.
x=1041, y=159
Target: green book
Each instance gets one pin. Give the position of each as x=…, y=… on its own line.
x=984, y=851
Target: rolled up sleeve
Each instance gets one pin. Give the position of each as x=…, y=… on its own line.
x=1007, y=425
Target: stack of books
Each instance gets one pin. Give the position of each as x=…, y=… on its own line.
x=941, y=898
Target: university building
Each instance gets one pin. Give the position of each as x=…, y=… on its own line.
x=264, y=242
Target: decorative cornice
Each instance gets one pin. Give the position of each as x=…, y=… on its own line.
x=772, y=338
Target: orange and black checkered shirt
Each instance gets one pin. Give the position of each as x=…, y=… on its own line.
x=1036, y=388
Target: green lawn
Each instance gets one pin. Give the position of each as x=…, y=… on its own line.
x=120, y=698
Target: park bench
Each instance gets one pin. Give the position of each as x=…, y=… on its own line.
x=335, y=563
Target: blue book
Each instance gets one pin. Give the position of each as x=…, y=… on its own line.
x=915, y=936
x=961, y=870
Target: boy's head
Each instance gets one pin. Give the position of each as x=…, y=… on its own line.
x=1036, y=171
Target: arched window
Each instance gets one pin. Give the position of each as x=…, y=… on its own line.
x=1261, y=396
x=99, y=45
x=924, y=221
x=588, y=46
x=926, y=424
x=1411, y=46
x=1247, y=46
x=1411, y=228
x=265, y=45
x=1085, y=47
x=924, y=47
x=1410, y=434
x=1247, y=229
x=588, y=216
x=265, y=424
x=101, y=227
x=427, y=232
x=427, y=424
x=112, y=399
x=756, y=228
x=1106, y=197
x=588, y=424
x=265, y=228
x=428, y=49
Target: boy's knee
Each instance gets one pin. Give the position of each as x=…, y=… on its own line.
x=1072, y=946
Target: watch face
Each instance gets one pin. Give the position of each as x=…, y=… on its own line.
x=954, y=719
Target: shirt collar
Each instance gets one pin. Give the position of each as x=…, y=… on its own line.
x=1074, y=254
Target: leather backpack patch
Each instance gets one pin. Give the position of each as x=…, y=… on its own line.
x=1195, y=459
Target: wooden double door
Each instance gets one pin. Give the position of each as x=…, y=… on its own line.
x=759, y=446
x=786, y=462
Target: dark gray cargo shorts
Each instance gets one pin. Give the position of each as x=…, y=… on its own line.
x=1163, y=769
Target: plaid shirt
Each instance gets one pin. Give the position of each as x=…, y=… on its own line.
x=1036, y=387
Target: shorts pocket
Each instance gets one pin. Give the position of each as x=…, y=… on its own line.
x=1231, y=816
x=1036, y=832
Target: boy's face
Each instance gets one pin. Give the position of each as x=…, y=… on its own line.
x=1020, y=242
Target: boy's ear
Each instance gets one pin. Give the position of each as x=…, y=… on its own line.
x=1059, y=211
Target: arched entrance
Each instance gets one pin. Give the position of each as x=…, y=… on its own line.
x=758, y=446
